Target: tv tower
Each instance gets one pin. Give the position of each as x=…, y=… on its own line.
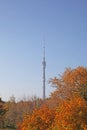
x=44, y=67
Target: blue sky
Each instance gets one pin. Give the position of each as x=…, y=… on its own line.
x=24, y=24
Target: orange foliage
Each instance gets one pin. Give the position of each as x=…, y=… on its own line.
x=70, y=82
x=69, y=115
x=40, y=119
x=72, y=115
x=67, y=108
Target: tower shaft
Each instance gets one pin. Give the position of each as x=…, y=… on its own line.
x=44, y=67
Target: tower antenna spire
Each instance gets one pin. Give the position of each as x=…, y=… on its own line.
x=44, y=67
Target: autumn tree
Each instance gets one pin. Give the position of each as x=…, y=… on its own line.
x=17, y=110
x=71, y=115
x=72, y=81
x=3, y=110
x=40, y=119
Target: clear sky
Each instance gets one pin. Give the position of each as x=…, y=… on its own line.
x=23, y=26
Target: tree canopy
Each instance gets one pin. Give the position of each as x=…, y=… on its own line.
x=72, y=81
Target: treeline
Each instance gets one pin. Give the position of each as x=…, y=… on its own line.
x=12, y=113
x=65, y=109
